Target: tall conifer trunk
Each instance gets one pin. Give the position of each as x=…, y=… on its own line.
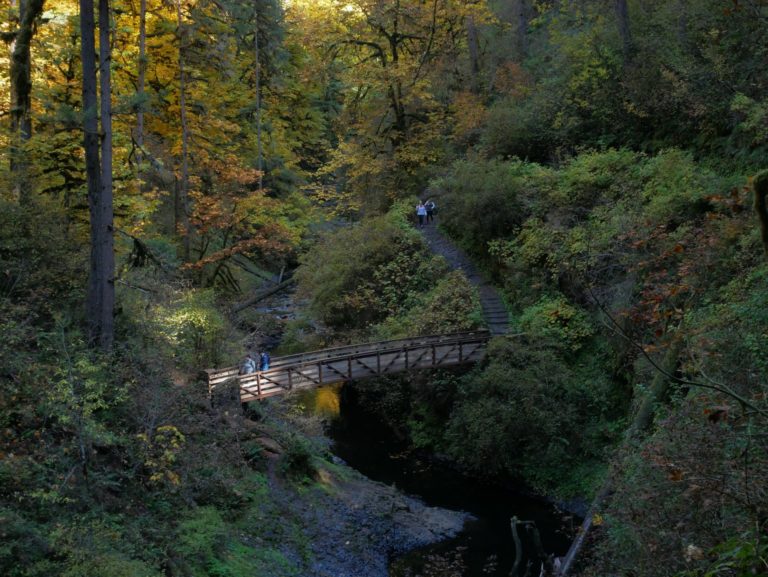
x=92, y=167
x=622, y=17
x=522, y=29
x=257, y=50
x=474, y=52
x=105, y=237
x=100, y=297
x=141, y=80
x=182, y=187
x=21, y=93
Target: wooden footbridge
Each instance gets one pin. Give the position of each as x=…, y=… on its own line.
x=327, y=366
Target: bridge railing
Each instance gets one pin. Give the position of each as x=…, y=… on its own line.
x=378, y=345
x=348, y=362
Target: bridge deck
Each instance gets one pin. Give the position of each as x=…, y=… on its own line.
x=353, y=362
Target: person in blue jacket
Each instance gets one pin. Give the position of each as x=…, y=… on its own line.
x=264, y=361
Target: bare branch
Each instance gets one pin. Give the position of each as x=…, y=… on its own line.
x=720, y=388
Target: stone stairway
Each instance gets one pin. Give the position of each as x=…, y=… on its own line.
x=494, y=311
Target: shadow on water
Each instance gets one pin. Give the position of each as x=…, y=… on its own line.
x=485, y=547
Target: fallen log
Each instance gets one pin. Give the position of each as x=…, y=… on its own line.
x=261, y=295
x=566, y=563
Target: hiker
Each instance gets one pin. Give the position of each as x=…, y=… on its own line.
x=431, y=209
x=264, y=361
x=249, y=365
x=421, y=212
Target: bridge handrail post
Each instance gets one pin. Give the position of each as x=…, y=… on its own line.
x=258, y=384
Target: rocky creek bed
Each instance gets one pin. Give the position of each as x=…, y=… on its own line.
x=353, y=526
x=339, y=524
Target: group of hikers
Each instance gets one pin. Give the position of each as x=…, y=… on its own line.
x=255, y=362
x=425, y=212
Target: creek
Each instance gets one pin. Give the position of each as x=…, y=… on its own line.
x=485, y=547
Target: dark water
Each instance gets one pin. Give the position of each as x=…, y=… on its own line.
x=485, y=548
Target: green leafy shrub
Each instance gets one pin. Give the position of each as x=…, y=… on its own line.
x=533, y=412
x=300, y=335
x=240, y=560
x=482, y=200
x=744, y=555
x=555, y=318
x=752, y=129
x=676, y=187
x=523, y=129
x=593, y=178
x=202, y=535
x=297, y=461
x=188, y=325
x=358, y=276
x=100, y=548
x=452, y=306
x=42, y=265
x=731, y=332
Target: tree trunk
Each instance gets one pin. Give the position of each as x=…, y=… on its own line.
x=21, y=90
x=522, y=29
x=260, y=151
x=642, y=421
x=517, y=566
x=105, y=238
x=474, y=53
x=140, y=81
x=682, y=23
x=92, y=167
x=567, y=562
x=182, y=190
x=622, y=17
x=760, y=185
x=658, y=390
x=261, y=295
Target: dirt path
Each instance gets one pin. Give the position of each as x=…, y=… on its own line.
x=494, y=311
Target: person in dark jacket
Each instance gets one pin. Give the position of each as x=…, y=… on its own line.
x=431, y=208
x=264, y=361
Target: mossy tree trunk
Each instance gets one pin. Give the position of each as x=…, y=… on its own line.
x=21, y=94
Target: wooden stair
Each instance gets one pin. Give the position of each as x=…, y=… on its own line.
x=494, y=311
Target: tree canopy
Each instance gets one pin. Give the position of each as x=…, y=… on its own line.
x=163, y=161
